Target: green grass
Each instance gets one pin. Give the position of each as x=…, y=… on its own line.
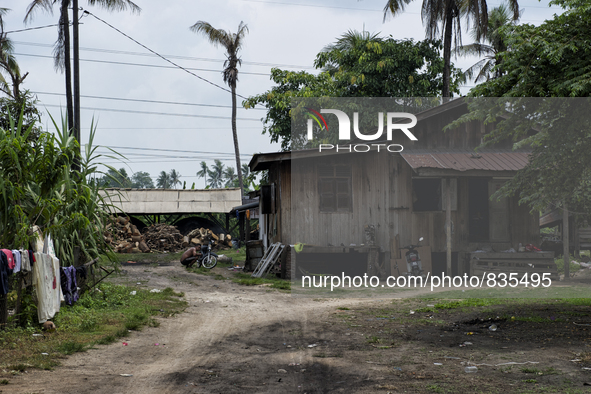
x=98, y=318
x=573, y=267
x=247, y=280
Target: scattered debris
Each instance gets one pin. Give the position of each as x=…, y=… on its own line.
x=471, y=369
x=281, y=371
x=126, y=375
x=155, y=291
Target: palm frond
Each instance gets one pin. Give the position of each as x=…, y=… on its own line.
x=46, y=5
x=116, y=5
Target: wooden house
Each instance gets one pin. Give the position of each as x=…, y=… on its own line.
x=327, y=201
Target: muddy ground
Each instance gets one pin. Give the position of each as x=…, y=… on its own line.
x=238, y=339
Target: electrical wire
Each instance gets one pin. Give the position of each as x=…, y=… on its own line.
x=132, y=53
x=31, y=28
x=141, y=65
x=160, y=56
x=129, y=111
x=146, y=101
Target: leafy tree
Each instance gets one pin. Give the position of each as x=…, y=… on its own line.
x=163, y=181
x=366, y=65
x=358, y=64
x=9, y=65
x=490, y=45
x=216, y=175
x=175, y=178
x=115, y=178
x=550, y=60
x=448, y=14
x=61, y=50
x=142, y=180
x=232, y=42
x=203, y=172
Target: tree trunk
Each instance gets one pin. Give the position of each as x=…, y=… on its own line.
x=235, y=135
x=447, y=38
x=65, y=25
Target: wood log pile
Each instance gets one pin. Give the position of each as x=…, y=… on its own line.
x=203, y=236
x=124, y=237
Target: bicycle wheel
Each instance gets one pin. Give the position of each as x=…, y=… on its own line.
x=209, y=261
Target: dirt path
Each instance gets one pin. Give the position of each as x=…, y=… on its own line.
x=215, y=346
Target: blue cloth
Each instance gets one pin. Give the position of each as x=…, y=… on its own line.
x=69, y=285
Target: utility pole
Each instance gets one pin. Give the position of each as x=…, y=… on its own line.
x=76, y=38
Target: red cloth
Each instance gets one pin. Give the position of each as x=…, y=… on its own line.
x=10, y=258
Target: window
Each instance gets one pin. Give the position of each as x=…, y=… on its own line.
x=428, y=194
x=334, y=188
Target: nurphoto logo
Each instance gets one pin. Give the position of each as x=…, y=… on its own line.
x=345, y=130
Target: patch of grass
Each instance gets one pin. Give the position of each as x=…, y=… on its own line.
x=530, y=370
x=247, y=280
x=530, y=381
x=71, y=347
x=100, y=317
x=374, y=339
x=4, y=382
x=343, y=308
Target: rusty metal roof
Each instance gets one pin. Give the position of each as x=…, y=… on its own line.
x=505, y=161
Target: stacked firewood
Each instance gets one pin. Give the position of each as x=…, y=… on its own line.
x=125, y=237
x=163, y=238
x=203, y=236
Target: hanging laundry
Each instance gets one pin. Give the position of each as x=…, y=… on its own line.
x=17, y=261
x=9, y=258
x=45, y=275
x=25, y=262
x=69, y=284
x=3, y=273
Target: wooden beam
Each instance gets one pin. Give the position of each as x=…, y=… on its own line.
x=448, y=225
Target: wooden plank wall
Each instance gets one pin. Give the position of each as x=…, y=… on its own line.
x=370, y=199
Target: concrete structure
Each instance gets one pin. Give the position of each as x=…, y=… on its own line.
x=171, y=201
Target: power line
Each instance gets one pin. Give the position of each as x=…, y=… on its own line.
x=30, y=28
x=147, y=101
x=129, y=111
x=204, y=59
x=140, y=64
x=168, y=150
x=160, y=56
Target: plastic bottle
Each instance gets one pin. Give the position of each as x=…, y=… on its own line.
x=471, y=369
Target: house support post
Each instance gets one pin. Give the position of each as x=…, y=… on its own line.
x=565, y=243
x=448, y=224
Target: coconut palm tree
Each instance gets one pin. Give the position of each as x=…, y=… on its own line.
x=490, y=46
x=216, y=174
x=232, y=42
x=8, y=63
x=448, y=15
x=61, y=51
x=230, y=177
x=175, y=178
x=163, y=181
x=203, y=172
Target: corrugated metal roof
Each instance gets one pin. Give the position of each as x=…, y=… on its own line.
x=506, y=161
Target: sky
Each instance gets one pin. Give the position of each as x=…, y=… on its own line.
x=159, y=116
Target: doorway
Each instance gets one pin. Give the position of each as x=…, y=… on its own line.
x=478, y=227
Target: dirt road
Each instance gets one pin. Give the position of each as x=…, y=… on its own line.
x=237, y=339
x=231, y=339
